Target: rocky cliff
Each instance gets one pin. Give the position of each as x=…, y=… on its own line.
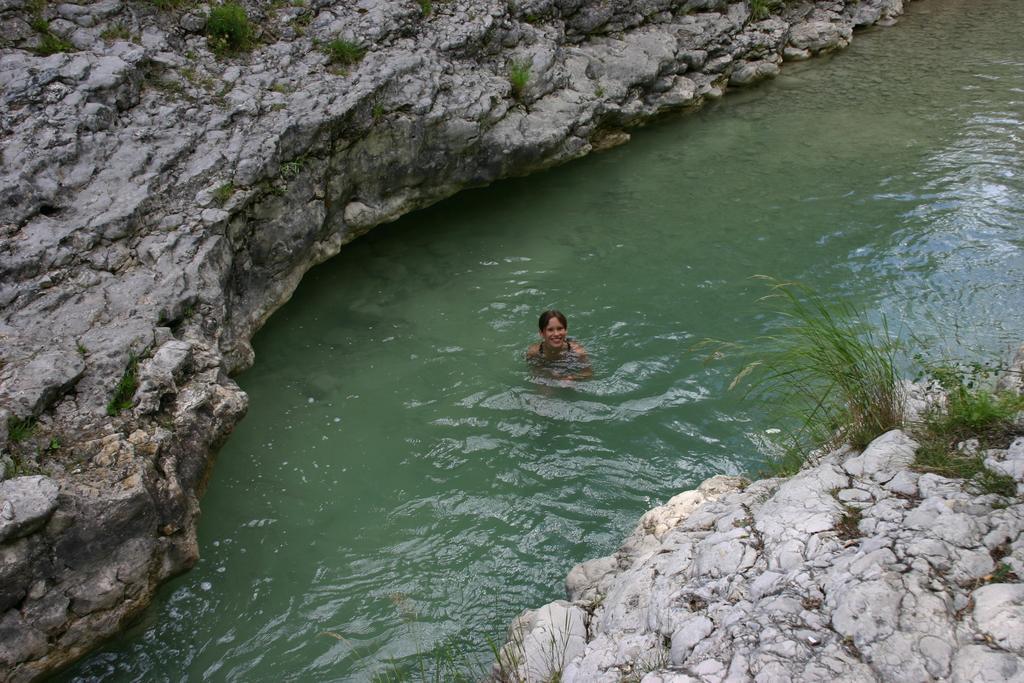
x=165, y=186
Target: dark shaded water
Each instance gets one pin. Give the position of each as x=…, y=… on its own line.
x=400, y=482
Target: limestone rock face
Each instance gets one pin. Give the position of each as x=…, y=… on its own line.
x=25, y=505
x=159, y=201
x=772, y=581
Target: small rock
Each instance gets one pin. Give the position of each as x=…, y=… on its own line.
x=969, y=447
x=193, y=22
x=904, y=483
x=884, y=457
x=27, y=503
x=541, y=642
x=214, y=216
x=19, y=642
x=853, y=495
x=795, y=54
x=749, y=73
x=44, y=379
x=687, y=636
x=359, y=215
x=999, y=613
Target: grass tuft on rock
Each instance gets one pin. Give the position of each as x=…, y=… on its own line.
x=1003, y=574
x=519, y=77
x=223, y=193
x=115, y=32
x=761, y=9
x=835, y=372
x=974, y=417
x=848, y=527
x=228, y=29
x=49, y=42
x=124, y=392
x=341, y=52
x=168, y=4
x=20, y=429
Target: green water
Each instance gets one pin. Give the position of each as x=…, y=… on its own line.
x=400, y=482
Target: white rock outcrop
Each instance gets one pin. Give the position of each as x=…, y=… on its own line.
x=855, y=569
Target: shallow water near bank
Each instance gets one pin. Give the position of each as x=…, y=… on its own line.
x=401, y=482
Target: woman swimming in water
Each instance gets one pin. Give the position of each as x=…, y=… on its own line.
x=556, y=355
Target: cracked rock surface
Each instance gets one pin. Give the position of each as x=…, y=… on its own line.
x=159, y=201
x=854, y=569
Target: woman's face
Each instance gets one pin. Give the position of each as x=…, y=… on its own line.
x=554, y=333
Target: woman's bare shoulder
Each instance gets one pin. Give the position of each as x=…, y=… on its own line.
x=533, y=351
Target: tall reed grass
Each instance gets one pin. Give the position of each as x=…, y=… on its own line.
x=835, y=376
x=831, y=371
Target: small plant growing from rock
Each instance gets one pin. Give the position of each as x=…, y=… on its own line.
x=167, y=85
x=760, y=9
x=20, y=429
x=971, y=411
x=49, y=42
x=194, y=77
x=18, y=467
x=341, y=52
x=115, y=32
x=228, y=29
x=223, y=193
x=1003, y=574
x=291, y=169
x=124, y=392
x=519, y=77
x=301, y=22
x=654, y=660
x=848, y=527
x=426, y=7
x=811, y=602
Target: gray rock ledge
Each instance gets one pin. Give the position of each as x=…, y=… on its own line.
x=158, y=203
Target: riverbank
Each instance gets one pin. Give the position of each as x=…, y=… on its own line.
x=161, y=200
x=861, y=567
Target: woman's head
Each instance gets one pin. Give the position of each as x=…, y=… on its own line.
x=546, y=317
x=553, y=328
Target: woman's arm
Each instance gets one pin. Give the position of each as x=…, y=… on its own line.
x=585, y=371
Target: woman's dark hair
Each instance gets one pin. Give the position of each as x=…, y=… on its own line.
x=546, y=317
